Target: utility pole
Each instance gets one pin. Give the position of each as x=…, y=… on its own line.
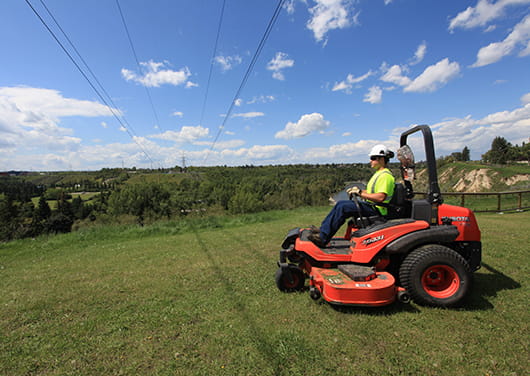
x=183, y=163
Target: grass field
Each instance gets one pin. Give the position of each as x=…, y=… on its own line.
x=198, y=298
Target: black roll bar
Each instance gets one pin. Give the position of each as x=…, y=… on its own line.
x=434, y=195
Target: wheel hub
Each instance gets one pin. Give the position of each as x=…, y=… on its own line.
x=440, y=281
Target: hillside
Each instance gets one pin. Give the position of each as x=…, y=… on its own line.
x=477, y=177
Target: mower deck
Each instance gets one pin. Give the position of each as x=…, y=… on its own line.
x=337, y=287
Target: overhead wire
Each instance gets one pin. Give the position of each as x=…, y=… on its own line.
x=125, y=125
x=247, y=73
x=77, y=52
x=138, y=63
x=212, y=61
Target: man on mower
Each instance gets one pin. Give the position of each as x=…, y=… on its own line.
x=380, y=189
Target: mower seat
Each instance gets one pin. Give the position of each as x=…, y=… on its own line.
x=398, y=207
x=363, y=222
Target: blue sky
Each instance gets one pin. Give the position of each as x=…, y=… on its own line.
x=334, y=78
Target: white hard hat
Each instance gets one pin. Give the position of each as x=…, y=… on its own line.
x=380, y=150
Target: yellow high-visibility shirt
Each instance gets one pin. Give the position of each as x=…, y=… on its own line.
x=382, y=182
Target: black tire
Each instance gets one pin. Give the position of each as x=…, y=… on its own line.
x=436, y=275
x=294, y=282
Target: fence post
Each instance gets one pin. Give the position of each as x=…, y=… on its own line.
x=463, y=201
x=520, y=201
x=498, y=202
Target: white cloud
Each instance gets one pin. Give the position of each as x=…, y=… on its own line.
x=289, y=6
x=221, y=145
x=329, y=15
x=50, y=103
x=374, y=95
x=342, y=86
x=186, y=134
x=350, y=80
x=178, y=114
x=228, y=62
x=434, y=76
x=420, y=53
x=262, y=99
x=259, y=153
x=157, y=74
x=394, y=75
x=104, y=124
x=449, y=136
x=453, y=135
x=30, y=120
x=347, y=152
x=484, y=12
x=306, y=125
x=496, y=51
x=248, y=115
x=278, y=63
x=508, y=117
x=238, y=102
x=490, y=28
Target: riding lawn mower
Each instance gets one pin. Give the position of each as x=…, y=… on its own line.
x=423, y=250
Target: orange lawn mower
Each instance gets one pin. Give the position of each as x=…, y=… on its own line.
x=423, y=250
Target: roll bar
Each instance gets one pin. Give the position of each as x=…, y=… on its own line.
x=434, y=195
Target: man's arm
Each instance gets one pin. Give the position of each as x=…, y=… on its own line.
x=374, y=197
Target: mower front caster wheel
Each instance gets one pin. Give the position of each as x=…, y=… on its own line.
x=290, y=279
x=314, y=293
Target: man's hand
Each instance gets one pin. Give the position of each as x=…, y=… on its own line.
x=354, y=191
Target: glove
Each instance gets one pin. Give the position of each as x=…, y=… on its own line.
x=354, y=191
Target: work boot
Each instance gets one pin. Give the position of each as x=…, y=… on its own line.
x=315, y=238
x=315, y=229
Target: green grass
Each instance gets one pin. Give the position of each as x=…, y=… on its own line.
x=85, y=196
x=509, y=201
x=198, y=298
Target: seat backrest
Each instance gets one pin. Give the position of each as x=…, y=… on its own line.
x=399, y=206
x=399, y=197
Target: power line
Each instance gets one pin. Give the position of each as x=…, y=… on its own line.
x=77, y=52
x=84, y=74
x=109, y=98
x=138, y=63
x=247, y=74
x=212, y=61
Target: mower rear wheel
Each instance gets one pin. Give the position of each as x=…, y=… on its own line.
x=436, y=275
x=290, y=280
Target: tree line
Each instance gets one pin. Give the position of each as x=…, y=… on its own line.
x=147, y=196
x=502, y=152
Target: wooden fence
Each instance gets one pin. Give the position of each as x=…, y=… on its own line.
x=522, y=198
